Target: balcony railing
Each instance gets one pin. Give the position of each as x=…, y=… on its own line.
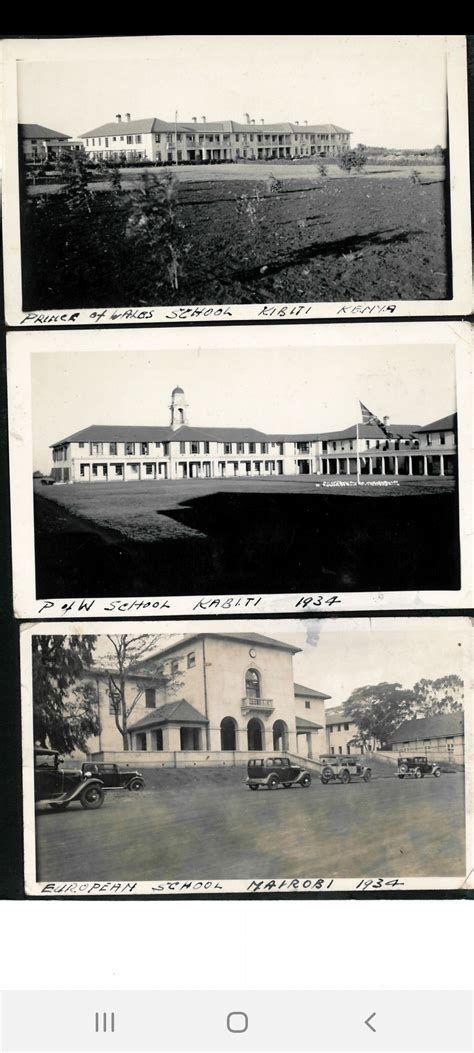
x=262, y=704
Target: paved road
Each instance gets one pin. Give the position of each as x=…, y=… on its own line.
x=215, y=828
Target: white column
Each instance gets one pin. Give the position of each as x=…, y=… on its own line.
x=371, y=466
x=425, y=465
x=410, y=465
x=348, y=467
x=149, y=741
x=396, y=465
x=441, y=464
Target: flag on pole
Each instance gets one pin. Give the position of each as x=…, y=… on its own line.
x=368, y=417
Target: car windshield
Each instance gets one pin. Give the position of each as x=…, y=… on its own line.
x=45, y=760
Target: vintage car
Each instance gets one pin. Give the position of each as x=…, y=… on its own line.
x=113, y=777
x=272, y=772
x=48, y=481
x=417, y=767
x=344, y=769
x=59, y=787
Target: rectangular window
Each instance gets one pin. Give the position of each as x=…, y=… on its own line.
x=112, y=448
x=182, y=447
x=129, y=449
x=118, y=469
x=96, y=449
x=166, y=448
x=264, y=447
x=94, y=469
x=194, y=447
x=129, y=139
x=307, y=705
x=191, y=659
x=144, y=449
x=138, y=138
x=346, y=727
x=149, y=469
x=338, y=727
x=157, y=139
x=429, y=439
x=340, y=749
x=206, y=447
x=240, y=447
x=227, y=447
x=251, y=447
x=175, y=666
x=106, y=141
x=82, y=469
x=150, y=698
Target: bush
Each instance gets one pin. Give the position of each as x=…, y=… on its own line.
x=353, y=159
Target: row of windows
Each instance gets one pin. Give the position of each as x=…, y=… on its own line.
x=116, y=138
x=98, y=449
x=370, y=444
x=337, y=727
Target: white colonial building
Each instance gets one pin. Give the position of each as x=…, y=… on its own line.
x=41, y=144
x=124, y=453
x=439, y=737
x=170, y=142
x=212, y=698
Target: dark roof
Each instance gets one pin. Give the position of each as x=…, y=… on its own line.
x=38, y=131
x=155, y=124
x=336, y=715
x=371, y=431
x=253, y=638
x=170, y=713
x=177, y=391
x=448, y=423
x=302, y=723
x=434, y=727
x=154, y=433
x=309, y=692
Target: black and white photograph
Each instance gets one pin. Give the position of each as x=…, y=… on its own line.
x=317, y=469
x=192, y=178
x=247, y=756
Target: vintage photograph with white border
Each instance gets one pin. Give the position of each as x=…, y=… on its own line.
x=355, y=733
x=327, y=178
x=292, y=470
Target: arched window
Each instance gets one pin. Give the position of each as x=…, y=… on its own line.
x=252, y=684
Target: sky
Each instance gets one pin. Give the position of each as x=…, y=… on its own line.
x=338, y=656
x=272, y=390
x=386, y=90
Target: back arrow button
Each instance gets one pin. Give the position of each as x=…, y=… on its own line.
x=369, y=1018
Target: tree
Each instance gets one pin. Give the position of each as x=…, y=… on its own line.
x=75, y=170
x=378, y=710
x=63, y=719
x=123, y=667
x=353, y=159
x=444, y=695
x=155, y=228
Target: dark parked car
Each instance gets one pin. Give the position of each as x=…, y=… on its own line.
x=272, y=772
x=344, y=769
x=59, y=787
x=113, y=777
x=417, y=767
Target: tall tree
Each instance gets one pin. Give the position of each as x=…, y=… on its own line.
x=444, y=695
x=127, y=681
x=378, y=710
x=64, y=709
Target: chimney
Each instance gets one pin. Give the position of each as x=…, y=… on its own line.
x=127, y=116
x=253, y=120
x=297, y=122
x=262, y=120
x=203, y=119
x=247, y=118
x=194, y=120
x=386, y=422
x=118, y=117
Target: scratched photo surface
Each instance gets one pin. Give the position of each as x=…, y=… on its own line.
x=262, y=754
x=238, y=172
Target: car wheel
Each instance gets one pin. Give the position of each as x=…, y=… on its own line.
x=345, y=777
x=136, y=785
x=59, y=807
x=92, y=797
x=418, y=774
x=253, y=786
x=273, y=782
x=437, y=773
x=367, y=775
x=306, y=780
x=403, y=769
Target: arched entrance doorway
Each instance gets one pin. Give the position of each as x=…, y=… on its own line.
x=280, y=736
x=255, y=735
x=228, y=734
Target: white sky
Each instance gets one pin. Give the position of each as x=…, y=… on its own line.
x=338, y=656
x=293, y=390
x=387, y=90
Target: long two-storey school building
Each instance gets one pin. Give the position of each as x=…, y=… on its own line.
x=151, y=139
x=121, y=453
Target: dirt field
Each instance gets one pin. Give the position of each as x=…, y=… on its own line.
x=206, y=824
x=198, y=537
x=244, y=240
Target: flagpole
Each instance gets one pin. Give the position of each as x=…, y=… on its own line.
x=357, y=446
x=176, y=134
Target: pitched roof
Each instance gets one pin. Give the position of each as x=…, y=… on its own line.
x=155, y=124
x=253, y=638
x=308, y=692
x=171, y=712
x=448, y=423
x=371, y=431
x=434, y=727
x=144, y=126
x=38, y=131
x=336, y=715
x=302, y=723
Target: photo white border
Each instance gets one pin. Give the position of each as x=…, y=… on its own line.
x=215, y=887
x=119, y=48
x=22, y=345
